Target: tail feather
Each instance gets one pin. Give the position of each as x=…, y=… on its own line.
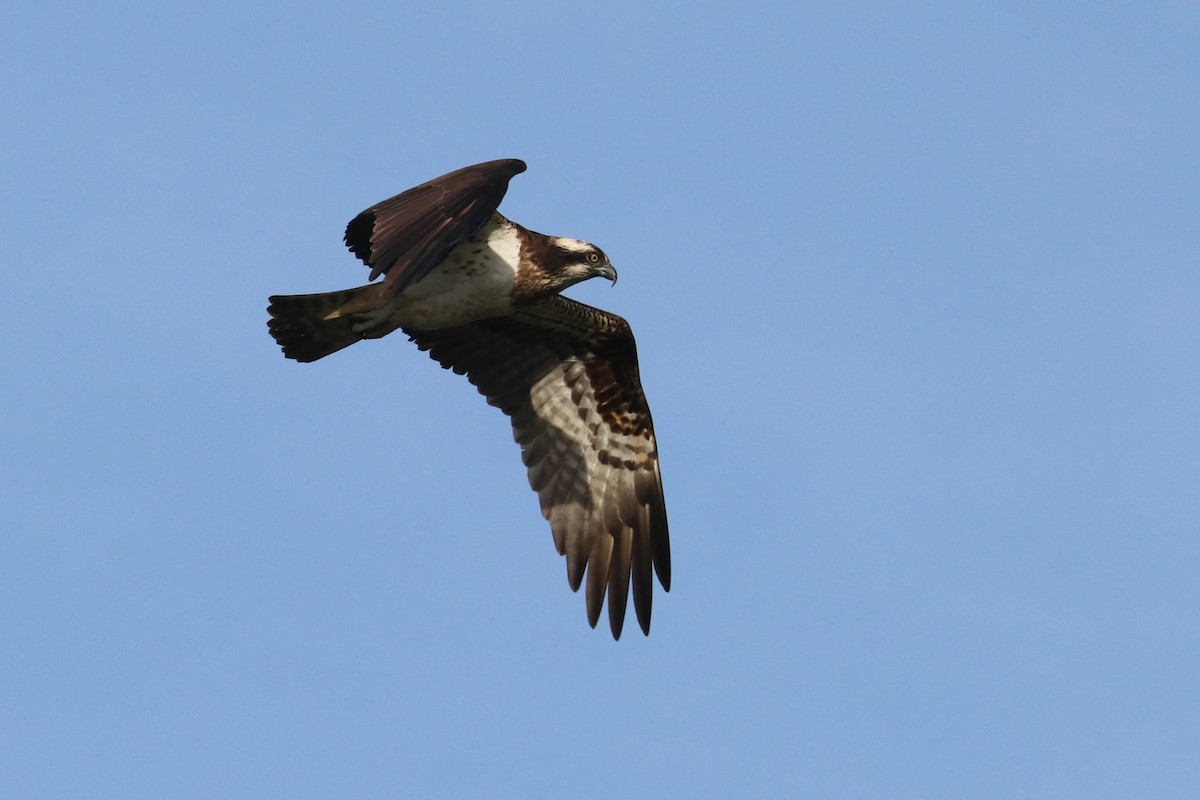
x=298, y=323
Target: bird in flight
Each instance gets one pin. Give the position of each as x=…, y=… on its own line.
x=480, y=294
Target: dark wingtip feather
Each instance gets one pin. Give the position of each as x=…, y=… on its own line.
x=618, y=573
x=598, y=565
x=661, y=545
x=358, y=235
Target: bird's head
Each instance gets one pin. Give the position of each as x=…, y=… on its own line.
x=569, y=261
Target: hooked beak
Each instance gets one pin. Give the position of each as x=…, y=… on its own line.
x=607, y=271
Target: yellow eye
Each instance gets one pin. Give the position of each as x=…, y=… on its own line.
x=593, y=258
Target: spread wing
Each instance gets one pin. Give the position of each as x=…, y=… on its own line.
x=408, y=235
x=567, y=376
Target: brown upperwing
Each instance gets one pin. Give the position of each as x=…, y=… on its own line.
x=408, y=235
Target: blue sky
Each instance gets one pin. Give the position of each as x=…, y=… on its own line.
x=915, y=289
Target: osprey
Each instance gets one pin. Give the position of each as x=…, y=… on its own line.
x=480, y=294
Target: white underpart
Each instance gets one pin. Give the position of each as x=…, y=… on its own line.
x=474, y=281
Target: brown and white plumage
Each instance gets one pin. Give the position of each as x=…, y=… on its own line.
x=480, y=294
